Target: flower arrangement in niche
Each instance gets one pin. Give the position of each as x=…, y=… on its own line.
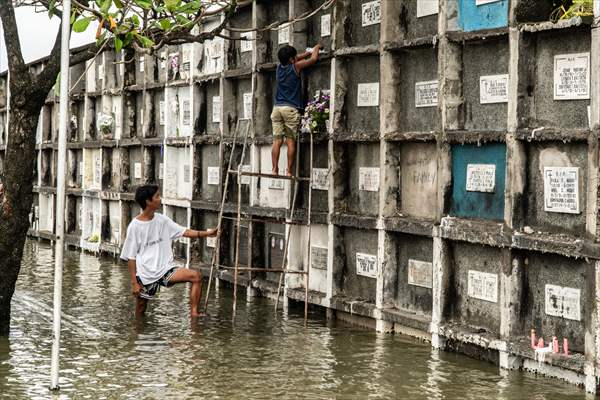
x=316, y=114
x=106, y=123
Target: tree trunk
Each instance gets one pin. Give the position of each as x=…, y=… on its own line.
x=15, y=207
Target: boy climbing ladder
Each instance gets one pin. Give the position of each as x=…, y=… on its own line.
x=288, y=101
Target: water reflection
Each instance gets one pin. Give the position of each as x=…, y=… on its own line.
x=107, y=354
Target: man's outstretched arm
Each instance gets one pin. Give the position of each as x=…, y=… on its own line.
x=193, y=234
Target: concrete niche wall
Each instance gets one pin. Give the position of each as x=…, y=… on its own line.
x=361, y=103
x=418, y=109
x=155, y=163
x=136, y=167
x=274, y=247
x=546, y=209
x=240, y=53
x=273, y=11
x=359, y=283
x=359, y=167
x=320, y=26
x=92, y=169
x=474, y=17
x=478, y=174
x=273, y=193
x=555, y=298
x=213, y=109
x=266, y=84
x=238, y=105
x=111, y=222
x=208, y=173
x=159, y=114
x=546, y=110
x=112, y=161
x=232, y=194
x=178, y=172
x=474, y=298
x=179, y=215
x=413, y=259
x=298, y=256
x=317, y=79
x=364, y=25
x=417, y=18
x=321, y=174
x=485, y=84
x=75, y=168
x=418, y=180
x=76, y=126
x=202, y=250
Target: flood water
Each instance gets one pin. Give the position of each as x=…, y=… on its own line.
x=106, y=354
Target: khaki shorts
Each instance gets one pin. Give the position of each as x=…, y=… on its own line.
x=285, y=120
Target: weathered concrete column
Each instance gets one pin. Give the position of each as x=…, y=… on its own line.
x=441, y=277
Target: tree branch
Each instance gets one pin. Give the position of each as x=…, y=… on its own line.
x=16, y=64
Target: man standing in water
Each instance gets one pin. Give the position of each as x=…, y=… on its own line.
x=149, y=255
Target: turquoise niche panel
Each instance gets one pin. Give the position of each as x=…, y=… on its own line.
x=474, y=15
x=478, y=174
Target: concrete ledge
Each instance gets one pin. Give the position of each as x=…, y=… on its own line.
x=205, y=205
x=353, y=307
x=74, y=145
x=179, y=141
x=354, y=221
x=573, y=362
x=355, y=137
x=460, y=36
x=407, y=319
x=370, y=49
x=110, y=248
x=407, y=44
x=46, y=189
x=472, y=335
x=75, y=191
x=94, y=144
x=399, y=136
x=45, y=145
x=46, y=235
x=155, y=141
x=178, y=83
x=110, y=195
x=240, y=73
x=207, y=78
x=409, y=225
x=314, y=297
x=553, y=134
x=565, y=245
x=176, y=202
x=266, y=67
x=210, y=139
x=489, y=233
x=462, y=136
x=548, y=25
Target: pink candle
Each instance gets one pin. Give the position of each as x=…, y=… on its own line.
x=541, y=343
x=566, y=346
x=554, y=344
x=533, y=340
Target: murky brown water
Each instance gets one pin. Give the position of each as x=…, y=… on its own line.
x=107, y=355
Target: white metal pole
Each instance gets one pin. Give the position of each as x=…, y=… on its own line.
x=60, y=187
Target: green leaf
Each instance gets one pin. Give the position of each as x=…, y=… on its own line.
x=146, y=42
x=145, y=4
x=165, y=24
x=105, y=6
x=81, y=24
x=73, y=16
x=118, y=4
x=118, y=44
x=172, y=4
x=136, y=20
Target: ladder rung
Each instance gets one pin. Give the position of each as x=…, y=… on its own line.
x=246, y=269
x=261, y=175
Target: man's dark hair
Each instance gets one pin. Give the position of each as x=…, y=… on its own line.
x=144, y=194
x=285, y=53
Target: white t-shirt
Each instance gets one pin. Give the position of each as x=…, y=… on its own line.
x=149, y=244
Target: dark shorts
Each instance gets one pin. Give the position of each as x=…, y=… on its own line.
x=150, y=290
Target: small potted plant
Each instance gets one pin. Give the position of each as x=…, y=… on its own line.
x=106, y=123
x=316, y=114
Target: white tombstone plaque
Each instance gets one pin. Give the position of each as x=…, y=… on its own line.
x=247, y=100
x=483, y=286
x=420, y=273
x=481, y=178
x=563, y=302
x=213, y=176
x=325, y=25
x=368, y=179
x=427, y=7
x=320, y=179
x=371, y=13
x=216, y=109
x=318, y=257
x=368, y=94
x=137, y=170
x=561, y=189
x=572, y=76
x=366, y=265
x=493, y=89
x=426, y=94
x=246, y=44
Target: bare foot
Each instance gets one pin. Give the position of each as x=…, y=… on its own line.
x=289, y=173
x=275, y=172
x=196, y=314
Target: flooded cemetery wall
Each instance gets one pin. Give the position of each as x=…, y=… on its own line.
x=454, y=194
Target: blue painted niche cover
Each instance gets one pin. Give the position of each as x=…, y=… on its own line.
x=473, y=17
x=478, y=204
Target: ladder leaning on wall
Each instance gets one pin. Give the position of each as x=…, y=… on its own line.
x=295, y=187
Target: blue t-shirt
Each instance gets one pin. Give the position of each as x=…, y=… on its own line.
x=288, y=87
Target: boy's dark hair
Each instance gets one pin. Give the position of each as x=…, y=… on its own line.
x=145, y=193
x=285, y=53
